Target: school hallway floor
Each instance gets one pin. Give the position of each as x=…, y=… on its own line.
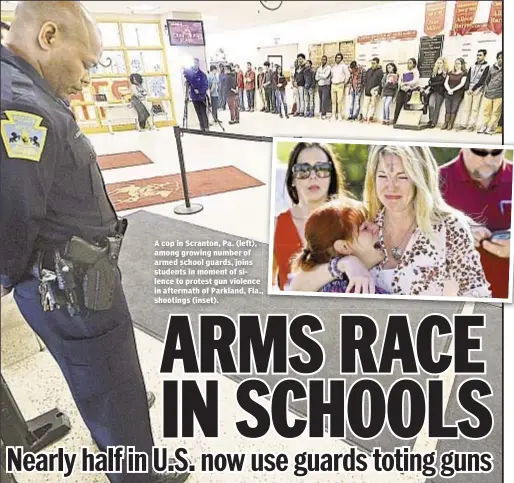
x=32, y=374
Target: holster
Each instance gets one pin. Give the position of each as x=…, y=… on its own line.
x=99, y=264
x=98, y=281
x=84, y=272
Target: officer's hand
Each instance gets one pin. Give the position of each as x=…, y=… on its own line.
x=500, y=248
x=196, y=91
x=480, y=233
x=5, y=290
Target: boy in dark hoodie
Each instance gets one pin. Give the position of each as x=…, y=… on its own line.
x=309, y=76
x=372, y=83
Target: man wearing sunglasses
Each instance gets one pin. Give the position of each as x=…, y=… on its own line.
x=479, y=183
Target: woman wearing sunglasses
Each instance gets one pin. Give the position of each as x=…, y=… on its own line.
x=428, y=246
x=312, y=178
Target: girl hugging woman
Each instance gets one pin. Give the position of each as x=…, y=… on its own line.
x=336, y=230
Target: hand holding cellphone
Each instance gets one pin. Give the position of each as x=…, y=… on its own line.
x=500, y=235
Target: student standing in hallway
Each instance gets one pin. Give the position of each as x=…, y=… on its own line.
x=260, y=88
x=493, y=97
x=300, y=84
x=240, y=87
x=323, y=78
x=310, y=82
x=340, y=76
x=281, y=93
x=214, y=91
x=232, y=95
x=357, y=79
x=267, y=85
x=388, y=90
x=474, y=91
x=373, y=80
x=250, y=86
x=454, y=85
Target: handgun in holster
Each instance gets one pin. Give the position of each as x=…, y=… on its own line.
x=100, y=264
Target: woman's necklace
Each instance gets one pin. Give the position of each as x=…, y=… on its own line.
x=396, y=251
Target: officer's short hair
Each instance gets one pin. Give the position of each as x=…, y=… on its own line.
x=498, y=54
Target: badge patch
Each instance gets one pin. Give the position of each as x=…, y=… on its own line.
x=23, y=135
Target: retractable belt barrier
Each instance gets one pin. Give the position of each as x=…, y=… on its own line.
x=187, y=208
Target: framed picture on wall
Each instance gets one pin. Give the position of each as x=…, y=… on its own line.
x=185, y=32
x=275, y=59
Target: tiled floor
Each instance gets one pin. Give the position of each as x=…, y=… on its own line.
x=38, y=385
x=272, y=125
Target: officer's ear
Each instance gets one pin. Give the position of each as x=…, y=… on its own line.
x=48, y=35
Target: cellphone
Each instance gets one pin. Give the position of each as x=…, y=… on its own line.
x=501, y=235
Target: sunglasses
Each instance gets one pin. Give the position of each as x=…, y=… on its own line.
x=484, y=152
x=304, y=170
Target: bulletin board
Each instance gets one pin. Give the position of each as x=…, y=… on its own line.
x=347, y=49
x=315, y=54
x=396, y=51
x=330, y=50
x=466, y=46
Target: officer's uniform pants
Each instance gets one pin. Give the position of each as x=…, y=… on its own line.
x=97, y=354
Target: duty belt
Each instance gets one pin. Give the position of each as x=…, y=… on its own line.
x=82, y=276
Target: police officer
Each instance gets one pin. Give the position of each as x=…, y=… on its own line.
x=51, y=189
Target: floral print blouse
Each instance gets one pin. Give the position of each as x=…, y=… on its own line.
x=429, y=262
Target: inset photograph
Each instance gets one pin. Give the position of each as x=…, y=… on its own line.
x=364, y=219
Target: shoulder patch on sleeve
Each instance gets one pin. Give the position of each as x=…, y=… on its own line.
x=23, y=135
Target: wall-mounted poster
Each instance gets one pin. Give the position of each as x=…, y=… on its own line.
x=435, y=13
x=315, y=54
x=347, y=48
x=185, y=32
x=464, y=16
x=495, y=22
x=331, y=50
x=430, y=49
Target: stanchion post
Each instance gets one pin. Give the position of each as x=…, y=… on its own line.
x=187, y=208
x=32, y=435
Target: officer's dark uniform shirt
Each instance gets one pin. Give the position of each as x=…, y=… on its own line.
x=50, y=185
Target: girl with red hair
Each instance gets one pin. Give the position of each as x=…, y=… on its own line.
x=333, y=231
